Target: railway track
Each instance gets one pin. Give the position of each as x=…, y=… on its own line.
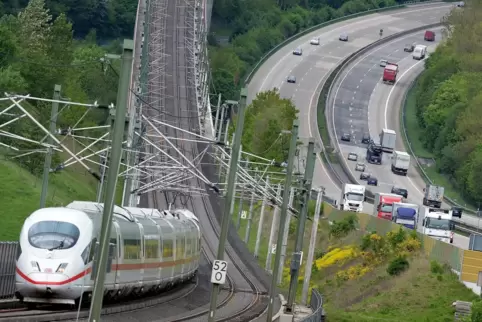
x=59, y=313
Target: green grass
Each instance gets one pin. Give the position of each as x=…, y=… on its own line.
x=20, y=193
x=414, y=133
x=415, y=295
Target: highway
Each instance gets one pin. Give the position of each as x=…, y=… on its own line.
x=316, y=62
x=363, y=104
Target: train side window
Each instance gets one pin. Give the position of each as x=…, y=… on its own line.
x=167, y=248
x=132, y=249
x=151, y=247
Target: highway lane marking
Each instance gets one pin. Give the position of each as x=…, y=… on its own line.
x=348, y=73
x=386, y=108
x=317, y=34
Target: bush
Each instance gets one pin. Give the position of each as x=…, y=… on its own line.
x=342, y=228
x=397, y=266
x=476, y=314
x=436, y=268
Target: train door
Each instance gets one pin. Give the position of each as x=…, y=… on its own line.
x=116, y=251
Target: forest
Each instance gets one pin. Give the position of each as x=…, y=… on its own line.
x=253, y=27
x=38, y=51
x=449, y=101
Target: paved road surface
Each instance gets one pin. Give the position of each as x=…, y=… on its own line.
x=362, y=103
x=317, y=61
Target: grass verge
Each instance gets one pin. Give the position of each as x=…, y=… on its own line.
x=418, y=294
x=20, y=193
x=414, y=133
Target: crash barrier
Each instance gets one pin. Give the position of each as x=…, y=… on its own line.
x=325, y=24
x=324, y=104
x=435, y=249
x=8, y=257
x=316, y=304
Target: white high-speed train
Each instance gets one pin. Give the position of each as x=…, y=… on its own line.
x=150, y=250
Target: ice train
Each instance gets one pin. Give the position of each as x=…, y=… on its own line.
x=149, y=250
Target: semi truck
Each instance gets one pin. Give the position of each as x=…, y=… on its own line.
x=437, y=223
x=390, y=73
x=387, y=140
x=383, y=204
x=419, y=52
x=352, y=197
x=400, y=162
x=405, y=214
x=433, y=196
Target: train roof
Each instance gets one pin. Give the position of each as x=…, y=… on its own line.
x=131, y=213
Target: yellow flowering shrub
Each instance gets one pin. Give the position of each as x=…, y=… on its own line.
x=352, y=273
x=335, y=256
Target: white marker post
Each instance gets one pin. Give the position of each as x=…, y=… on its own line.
x=219, y=272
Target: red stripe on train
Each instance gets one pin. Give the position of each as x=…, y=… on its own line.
x=115, y=267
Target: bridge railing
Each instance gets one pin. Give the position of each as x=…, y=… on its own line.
x=316, y=304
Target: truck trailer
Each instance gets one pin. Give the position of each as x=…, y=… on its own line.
x=390, y=73
x=383, y=204
x=433, y=196
x=387, y=140
x=352, y=197
x=400, y=162
x=405, y=214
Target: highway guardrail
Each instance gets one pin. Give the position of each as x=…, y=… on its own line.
x=322, y=101
x=263, y=59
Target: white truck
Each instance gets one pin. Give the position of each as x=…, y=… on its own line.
x=387, y=140
x=405, y=214
x=352, y=197
x=419, y=52
x=433, y=196
x=437, y=223
x=400, y=162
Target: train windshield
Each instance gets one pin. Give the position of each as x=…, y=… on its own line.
x=53, y=235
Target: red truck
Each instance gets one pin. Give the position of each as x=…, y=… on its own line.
x=390, y=73
x=429, y=35
x=383, y=204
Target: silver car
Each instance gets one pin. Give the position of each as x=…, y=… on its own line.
x=343, y=37
x=383, y=63
x=360, y=166
x=352, y=156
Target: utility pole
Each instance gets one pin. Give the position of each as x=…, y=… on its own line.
x=274, y=224
x=118, y=128
x=300, y=228
x=261, y=221
x=284, y=211
x=311, y=249
x=48, y=157
x=233, y=200
x=250, y=216
x=241, y=200
x=236, y=146
x=285, y=236
x=216, y=119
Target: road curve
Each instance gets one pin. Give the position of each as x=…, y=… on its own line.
x=317, y=61
x=362, y=103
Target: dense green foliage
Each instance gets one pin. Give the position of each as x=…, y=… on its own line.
x=256, y=26
x=449, y=101
x=110, y=19
x=38, y=52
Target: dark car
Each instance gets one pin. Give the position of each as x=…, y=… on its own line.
x=366, y=138
x=346, y=137
x=374, y=153
x=372, y=181
x=409, y=48
x=400, y=191
x=291, y=79
x=364, y=176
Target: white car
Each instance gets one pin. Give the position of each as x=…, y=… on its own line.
x=352, y=156
x=343, y=37
x=360, y=166
x=315, y=41
x=383, y=63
